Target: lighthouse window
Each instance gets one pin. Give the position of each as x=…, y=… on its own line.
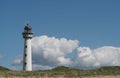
x=25, y=46
x=25, y=55
x=25, y=63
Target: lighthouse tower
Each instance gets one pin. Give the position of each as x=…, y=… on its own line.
x=27, y=59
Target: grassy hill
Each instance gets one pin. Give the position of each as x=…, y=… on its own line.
x=62, y=71
x=3, y=69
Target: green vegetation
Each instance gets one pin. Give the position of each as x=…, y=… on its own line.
x=61, y=72
x=3, y=69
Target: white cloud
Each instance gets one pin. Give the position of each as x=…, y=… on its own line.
x=49, y=52
x=64, y=61
x=104, y=56
x=41, y=67
x=18, y=60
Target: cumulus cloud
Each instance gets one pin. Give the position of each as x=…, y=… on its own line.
x=104, y=56
x=18, y=60
x=49, y=52
x=41, y=67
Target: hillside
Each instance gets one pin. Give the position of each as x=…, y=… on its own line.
x=3, y=68
x=63, y=72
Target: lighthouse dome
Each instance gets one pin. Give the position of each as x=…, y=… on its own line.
x=28, y=27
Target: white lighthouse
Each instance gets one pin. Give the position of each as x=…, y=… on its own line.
x=27, y=59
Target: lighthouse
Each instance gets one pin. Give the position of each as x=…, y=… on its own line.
x=27, y=56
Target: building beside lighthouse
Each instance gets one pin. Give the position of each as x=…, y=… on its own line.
x=27, y=57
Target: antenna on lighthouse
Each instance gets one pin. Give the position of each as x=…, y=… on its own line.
x=27, y=59
x=27, y=22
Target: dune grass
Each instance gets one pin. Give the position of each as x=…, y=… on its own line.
x=61, y=72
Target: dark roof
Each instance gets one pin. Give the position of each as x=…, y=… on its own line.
x=28, y=27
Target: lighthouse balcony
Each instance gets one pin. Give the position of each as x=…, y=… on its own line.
x=27, y=36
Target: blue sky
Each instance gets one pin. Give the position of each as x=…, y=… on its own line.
x=95, y=23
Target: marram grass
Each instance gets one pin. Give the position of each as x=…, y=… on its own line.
x=61, y=72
